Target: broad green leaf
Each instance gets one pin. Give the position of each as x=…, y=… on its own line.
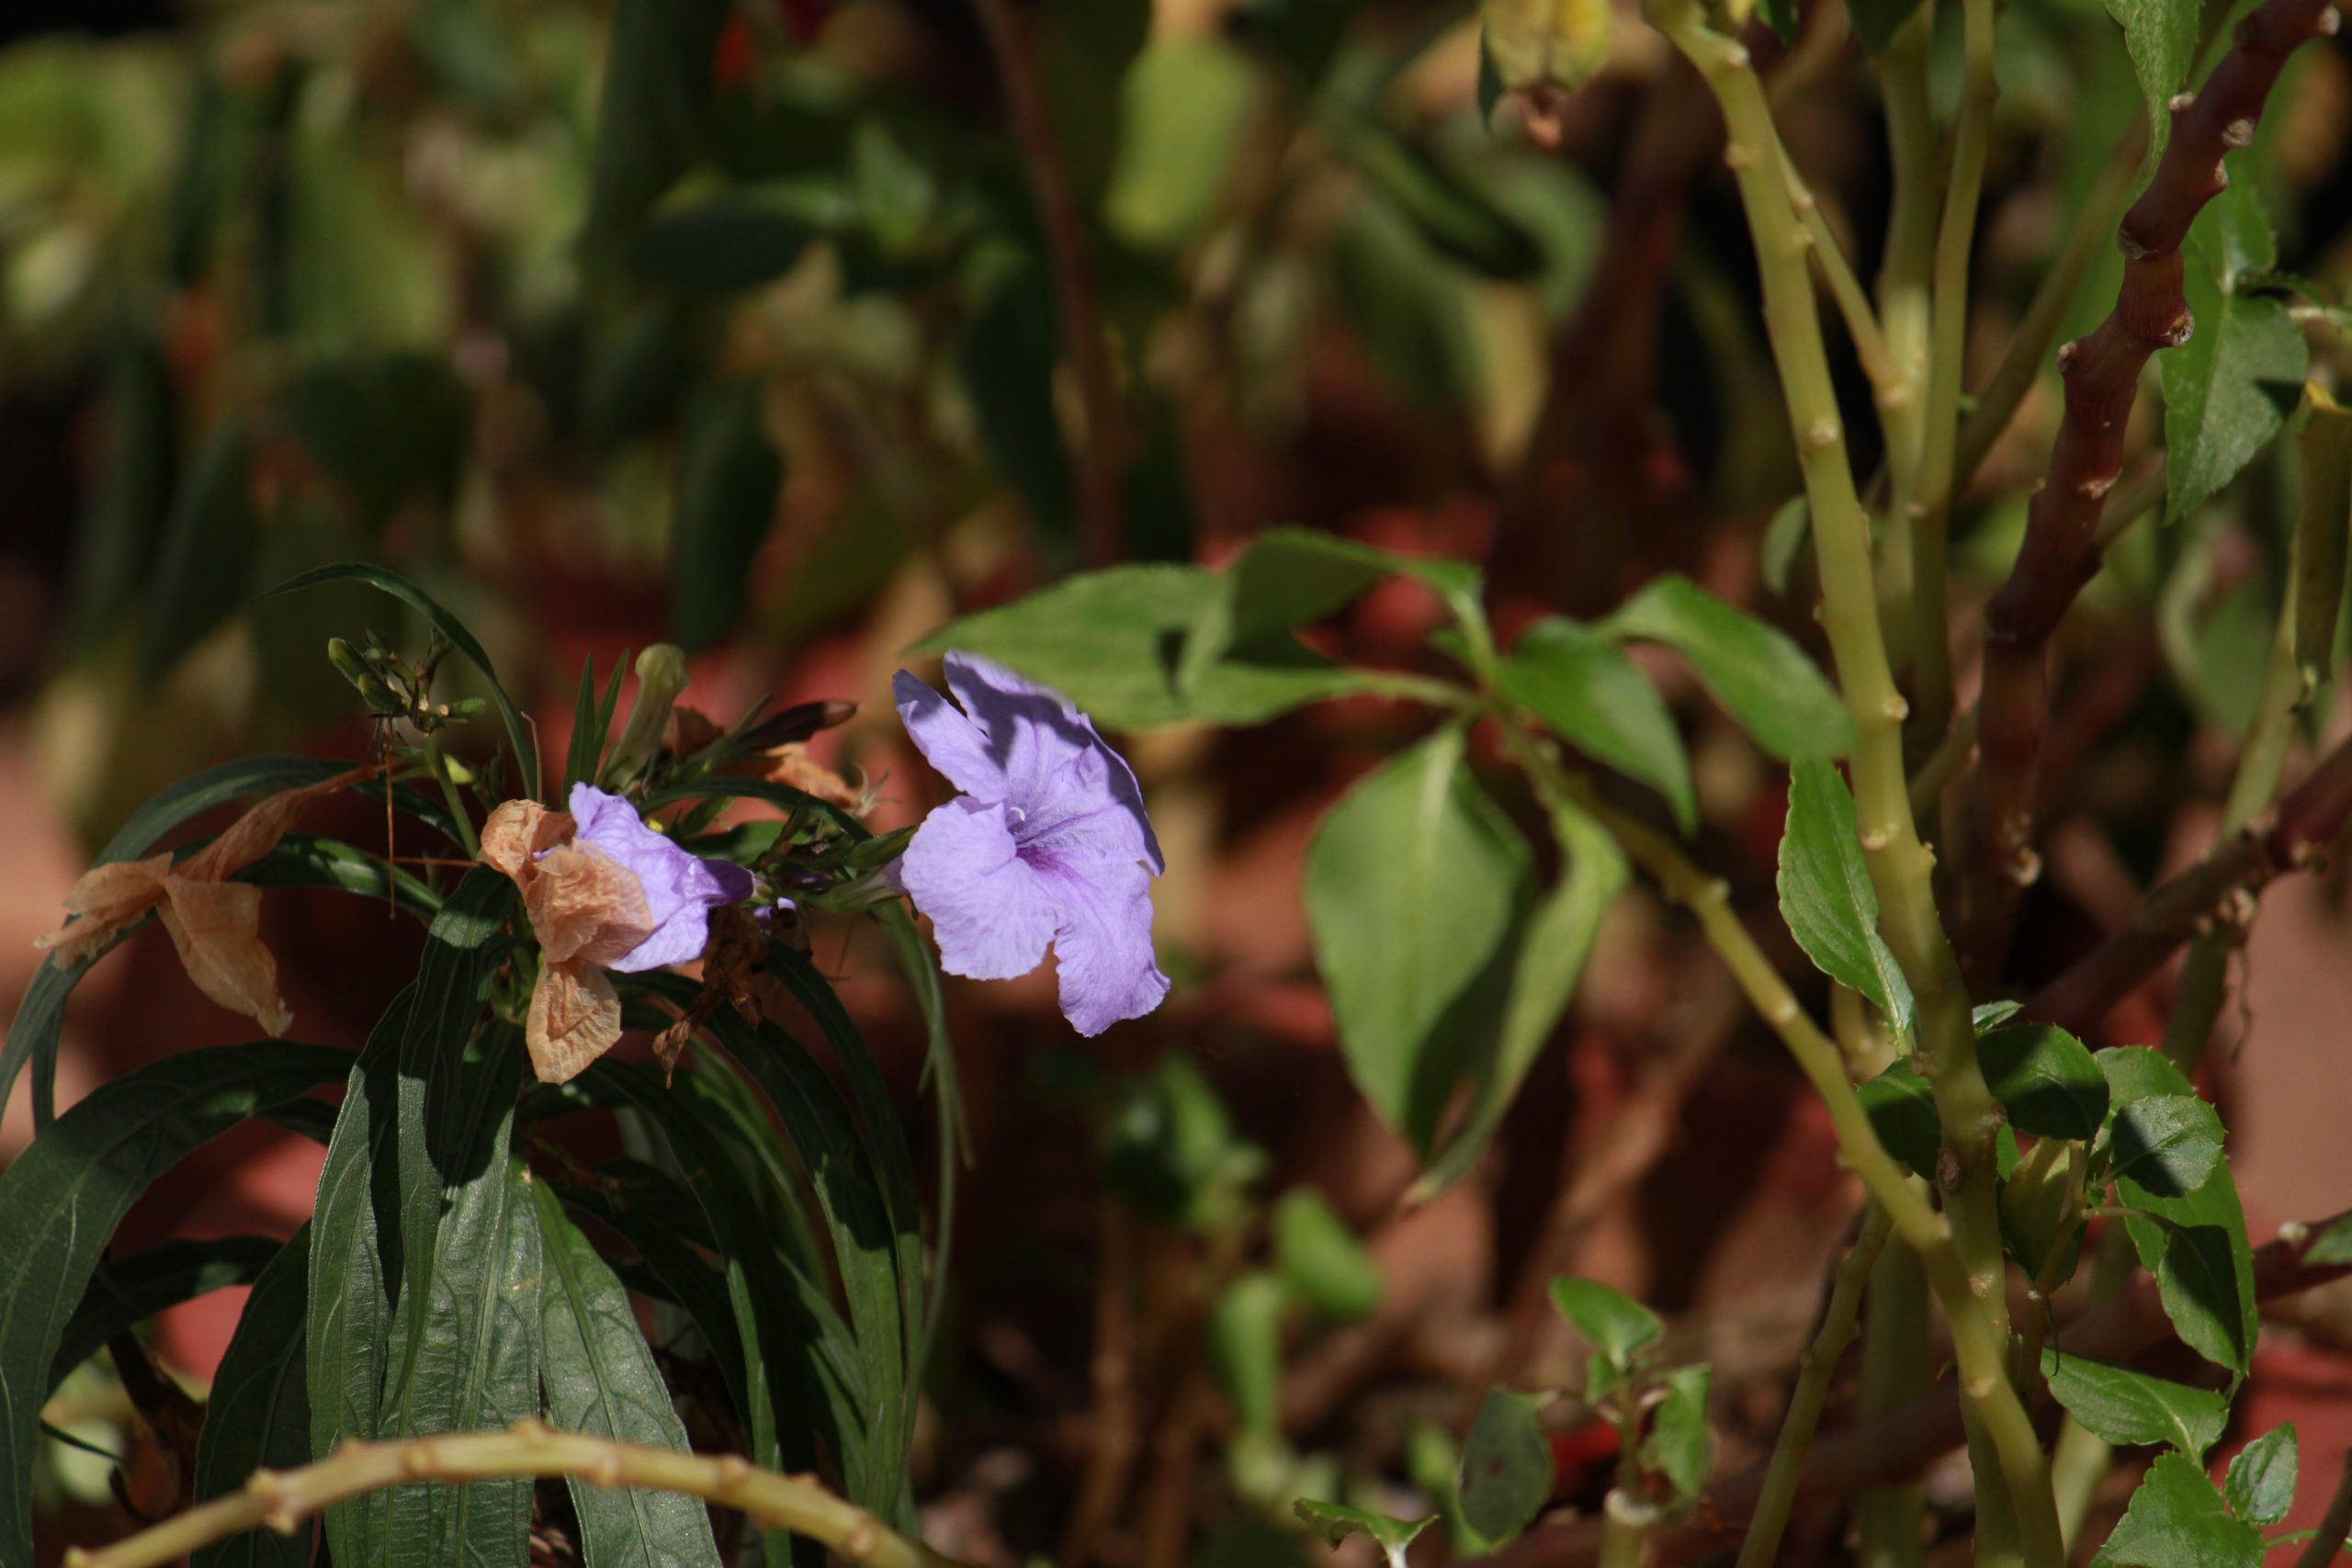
x=729, y=477
x=2168, y=1144
x=2260, y=1487
x=601, y=1379
x=2196, y=1247
x=1827, y=900
x=1414, y=884
x=1592, y=696
x=1679, y=1446
x=1323, y=1263
x=1611, y=1323
x=2229, y=390
x=205, y=554
x=467, y=1357
x=2161, y=36
x=2133, y=1408
x=1336, y=1521
x=60, y=1200
x=1763, y=678
x=2176, y=1520
x=126, y=1292
x=1245, y=1341
x=258, y=1414
x=1877, y=21
x=526, y=761
x=1506, y=1465
x=2046, y=1079
x=1901, y=1107
x=1552, y=955
x=1289, y=578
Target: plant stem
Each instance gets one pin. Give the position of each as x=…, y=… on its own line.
x=1968, y=1275
x=1896, y=1367
x=1625, y=1522
x=464, y=824
x=1815, y=1369
x=1955, y=241
x=283, y=1500
x=1101, y=456
x=2320, y=1552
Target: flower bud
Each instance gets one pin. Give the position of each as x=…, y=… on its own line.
x=661, y=677
x=1542, y=50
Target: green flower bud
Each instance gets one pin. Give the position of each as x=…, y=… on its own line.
x=347, y=662
x=661, y=676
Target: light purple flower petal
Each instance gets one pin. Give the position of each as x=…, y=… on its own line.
x=681, y=888
x=1057, y=768
x=1103, y=948
x=991, y=912
x=948, y=740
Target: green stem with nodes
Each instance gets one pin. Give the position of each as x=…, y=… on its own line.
x=1968, y=1270
x=1955, y=240
x=283, y=1500
x=440, y=768
x=1815, y=1369
x=1625, y=1521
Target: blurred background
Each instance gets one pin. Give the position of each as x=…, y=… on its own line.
x=771, y=328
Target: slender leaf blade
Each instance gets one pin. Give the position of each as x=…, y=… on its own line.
x=1826, y=897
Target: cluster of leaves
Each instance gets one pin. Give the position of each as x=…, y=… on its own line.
x=444, y=1281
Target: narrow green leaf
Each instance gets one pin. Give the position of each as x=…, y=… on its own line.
x=2133, y=1408
x=2260, y=1487
x=258, y=1415
x=206, y=552
x=526, y=757
x=1414, y=883
x=1611, y=1322
x=729, y=477
x=127, y=1291
x=1901, y=1107
x=1679, y=1446
x=1322, y=1261
x=2176, y=1520
x=2046, y=1079
x=1827, y=900
x=585, y=750
x=653, y=121
x=601, y=1380
x=1245, y=1341
x=60, y=1200
x=1756, y=671
x=1592, y=696
x=1506, y=1466
x=1551, y=956
x=1336, y=1521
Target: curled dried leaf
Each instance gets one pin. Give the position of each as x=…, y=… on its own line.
x=517, y=833
x=585, y=905
x=104, y=901
x=257, y=832
x=575, y=1018
x=794, y=766
x=216, y=927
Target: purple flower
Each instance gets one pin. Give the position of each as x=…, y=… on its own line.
x=1048, y=843
x=681, y=890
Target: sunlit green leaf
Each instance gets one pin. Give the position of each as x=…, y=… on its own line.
x=1756, y=671
x=2128, y=1407
x=2260, y=1487
x=1612, y=1323
x=1827, y=900
x=1592, y=696
x=2177, y=1520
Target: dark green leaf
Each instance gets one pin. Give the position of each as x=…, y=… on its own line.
x=2168, y=1144
x=1170, y=1148
x=60, y=1200
x=2229, y=390
x=2132, y=1409
x=1452, y=216
x=1336, y=1521
x=127, y=1291
x=2161, y=36
x=1414, y=884
x=1245, y=1340
x=738, y=238
x=258, y=1415
x=1764, y=679
x=2046, y=1079
x=729, y=477
x=1506, y=1466
x=1592, y=696
x=2177, y=1520
x=1006, y=361
x=653, y=121
x=1407, y=307
x=206, y=553
x=1679, y=1446
x=1612, y=1323
x=1877, y=21
x=1552, y=955
x=1322, y=1261
x=1986, y=1017
x=1827, y=900
x=385, y=430
x=2322, y=532
x=526, y=754
x=601, y=1379
x=131, y=500
x=1901, y=1108
x=2261, y=1484
x=1781, y=17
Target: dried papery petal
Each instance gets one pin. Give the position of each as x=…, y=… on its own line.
x=518, y=832
x=575, y=1018
x=106, y=900
x=585, y=905
x=216, y=927
x=257, y=832
x=794, y=766
x=688, y=732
